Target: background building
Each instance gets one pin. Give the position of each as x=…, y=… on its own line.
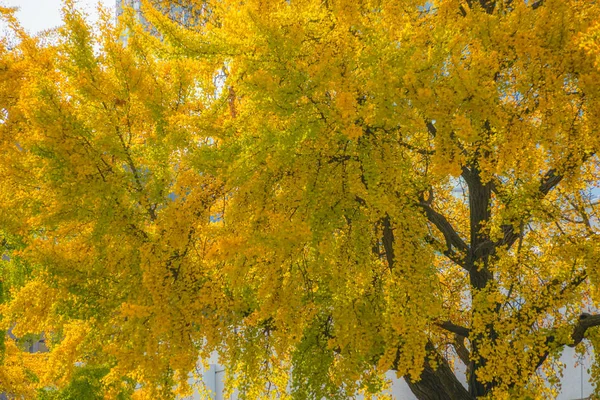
x=575, y=382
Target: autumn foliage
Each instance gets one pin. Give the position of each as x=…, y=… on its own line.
x=318, y=191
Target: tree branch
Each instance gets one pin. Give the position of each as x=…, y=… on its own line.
x=457, y=329
x=585, y=322
x=537, y=4
x=416, y=149
x=461, y=350
x=388, y=241
x=548, y=182
x=551, y=290
x=452, y=255
x=431, y=128
x=440, y=222
x=437, y=383
x=488, y=5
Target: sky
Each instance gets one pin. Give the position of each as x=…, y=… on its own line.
x=37, y=15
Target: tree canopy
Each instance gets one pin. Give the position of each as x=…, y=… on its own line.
x=320, y=191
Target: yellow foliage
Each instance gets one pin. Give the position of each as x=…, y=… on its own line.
x=318, y=191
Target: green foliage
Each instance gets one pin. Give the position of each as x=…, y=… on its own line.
x=86, y=383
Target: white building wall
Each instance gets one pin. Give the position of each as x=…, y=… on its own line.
x=575, y=382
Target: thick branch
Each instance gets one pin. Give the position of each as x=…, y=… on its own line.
x=480, y=195
x=431, y=128
x=452, y=255
x=457, y=329
x=549, y=181
x=439, y=383
x=461, y=350
x=585, y=322
x=440, y=222
x=488, y=5
x=537, y=4
x=479, y=203
x=388, y=241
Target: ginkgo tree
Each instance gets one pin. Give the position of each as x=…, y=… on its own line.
x=318, y=191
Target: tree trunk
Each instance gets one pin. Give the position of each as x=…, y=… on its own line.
x=439, y=383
